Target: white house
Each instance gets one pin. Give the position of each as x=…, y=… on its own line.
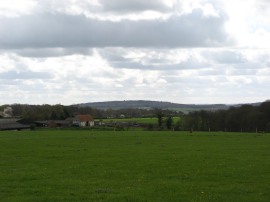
x=83, y=121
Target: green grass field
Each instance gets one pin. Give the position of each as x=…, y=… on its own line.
x=134, y=166
x=137, y=120
x=152, y=120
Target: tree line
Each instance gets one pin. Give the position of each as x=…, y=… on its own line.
x=246, y=118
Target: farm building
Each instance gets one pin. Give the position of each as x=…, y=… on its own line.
x=54, y=123
x=79, y=121
x=83, y=121
x=12, y=124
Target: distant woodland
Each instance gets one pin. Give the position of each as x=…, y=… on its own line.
x=245, y=118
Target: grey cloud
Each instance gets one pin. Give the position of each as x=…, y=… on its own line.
x=24, y=75
x=133, y=6
x=250, y=65
x=212, y=72
x=60, y=30
x=52, y=52
x=243, y=72
x=189, y=64
x=117, y=59
x=5, y=83
x=226, y=57
x=114, y=54
x=263, y=5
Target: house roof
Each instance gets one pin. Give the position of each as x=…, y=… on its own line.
x=8, y=120
x=85, y=117
x=12, y=124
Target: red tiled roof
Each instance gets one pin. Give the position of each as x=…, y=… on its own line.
x=84, y=117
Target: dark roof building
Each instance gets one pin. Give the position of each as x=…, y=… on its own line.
x=54, y=123
x=12, y=124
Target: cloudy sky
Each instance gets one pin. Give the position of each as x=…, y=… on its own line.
x=184, y=51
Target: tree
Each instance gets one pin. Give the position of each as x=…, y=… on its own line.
x=53, y=116
x=169, y=122
x=159, y=115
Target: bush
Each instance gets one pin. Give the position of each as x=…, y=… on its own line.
x=150, y=127
x=32, y=126
x=119, y=128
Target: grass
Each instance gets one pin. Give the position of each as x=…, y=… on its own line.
x=134, y=166
x=151, y=120
x=132, y=120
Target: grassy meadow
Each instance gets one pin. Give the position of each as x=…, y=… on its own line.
x=150, y=120
x=133, y=166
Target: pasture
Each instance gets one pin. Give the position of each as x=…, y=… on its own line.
x=133, y=166
x=151, y=120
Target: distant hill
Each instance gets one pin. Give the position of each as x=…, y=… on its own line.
x=144, y=104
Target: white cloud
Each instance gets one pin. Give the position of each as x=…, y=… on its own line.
x=192, y=51
x=15, y=8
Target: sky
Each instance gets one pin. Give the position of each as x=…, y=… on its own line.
x=183, y=51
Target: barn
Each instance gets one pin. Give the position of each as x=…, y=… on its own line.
x=12, y=124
